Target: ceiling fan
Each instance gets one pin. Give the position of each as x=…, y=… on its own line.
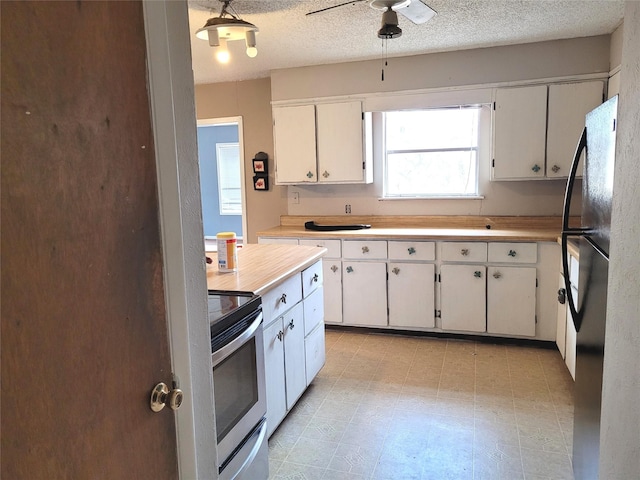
x=415, y=10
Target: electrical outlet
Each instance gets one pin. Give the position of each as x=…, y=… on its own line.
x=347, y=208
x=295, y=197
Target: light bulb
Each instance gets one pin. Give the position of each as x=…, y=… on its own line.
x=222, y=53
x=250, y=39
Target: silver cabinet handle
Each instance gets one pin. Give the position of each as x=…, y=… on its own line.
x=283, y=298
x=291, y=325
x=325, y=174
x=365, y=249
x=334, y=269
x=396, y=270
x=349, y=269
x=411, y=250
x=555, y=169
x=536, y=168
x=464, y=252
x=497, y=275
x=280, y=335
x=477, y=274
x=315, y=277
x=512, y=253
x=309, y=174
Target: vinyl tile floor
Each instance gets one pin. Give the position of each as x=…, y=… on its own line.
x=397, y=407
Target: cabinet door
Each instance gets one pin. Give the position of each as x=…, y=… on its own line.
x=294, y=359
x=274, y=373
x=332, y=273
x=294, y=136
x=411, y=295
x=568, y=105
x=364, y=293
x=463, y=297
x=511, y=300
x=520, y=124
x=340, y=143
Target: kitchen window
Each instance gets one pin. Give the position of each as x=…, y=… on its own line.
x=433, y=153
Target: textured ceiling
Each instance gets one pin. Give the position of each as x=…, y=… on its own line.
x=289, y=38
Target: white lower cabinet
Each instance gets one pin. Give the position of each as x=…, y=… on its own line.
x=511, y=300
x=411, y=295
x=293, y=340
x=364, y=293
x=284, y=365
x=332, y=271
x=463, y=297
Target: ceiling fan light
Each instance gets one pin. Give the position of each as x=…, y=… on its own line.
x=390, y=28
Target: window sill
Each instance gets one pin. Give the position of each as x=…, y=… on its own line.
x=435, y=197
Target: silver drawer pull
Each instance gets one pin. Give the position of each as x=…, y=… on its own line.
x=349, y=269
x=365, y=249
x=497, y=275
x=464, y=252
x=283, y=298
x=396, y=270
x=411, y=250
x=315, y=277
x=512, y=253
x=477, y=274
x=334, y=269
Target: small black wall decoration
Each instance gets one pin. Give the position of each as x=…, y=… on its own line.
x=261, y=171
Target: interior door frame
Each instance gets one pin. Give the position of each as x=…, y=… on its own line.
x=243, y=188
x=172, y=98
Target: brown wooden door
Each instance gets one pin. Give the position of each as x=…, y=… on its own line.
x=84, y=334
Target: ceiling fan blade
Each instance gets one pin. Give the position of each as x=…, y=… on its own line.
x=335, y=6
x=418, y=12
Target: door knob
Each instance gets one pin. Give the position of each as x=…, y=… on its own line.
x=161, y=396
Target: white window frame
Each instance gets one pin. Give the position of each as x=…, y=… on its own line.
x=484, y=122
x=226, y=153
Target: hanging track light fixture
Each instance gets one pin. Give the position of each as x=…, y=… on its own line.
x=227, y=27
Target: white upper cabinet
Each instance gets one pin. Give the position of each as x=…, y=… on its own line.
x=536, y=129
x=294, y=136
x=568, y=105
x=519, y=132
x=324, y=143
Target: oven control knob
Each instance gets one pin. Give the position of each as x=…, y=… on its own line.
x=161, y=396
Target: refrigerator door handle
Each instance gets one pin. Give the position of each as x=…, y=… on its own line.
x=572, y=232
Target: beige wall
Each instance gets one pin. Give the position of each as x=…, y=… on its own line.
x=250, y=100
x=465, y=67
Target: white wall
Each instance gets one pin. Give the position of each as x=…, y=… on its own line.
x=620, y=427
x=435, y=72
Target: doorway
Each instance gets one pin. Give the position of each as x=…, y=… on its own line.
x=221, y=164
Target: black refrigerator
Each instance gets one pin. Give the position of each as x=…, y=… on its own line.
x=589, y=313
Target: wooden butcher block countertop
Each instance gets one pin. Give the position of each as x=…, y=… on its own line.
x=459, y=228
x=262, y=267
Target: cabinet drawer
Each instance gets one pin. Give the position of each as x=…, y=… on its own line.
x=464, y=251
x=313, y=310
x=365, y=249
x=281, y=298
x=500, y=252
x=419, y=251
x=333, y=246
x=311, y=278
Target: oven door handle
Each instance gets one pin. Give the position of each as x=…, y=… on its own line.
x=232, y=346
x=261, y=433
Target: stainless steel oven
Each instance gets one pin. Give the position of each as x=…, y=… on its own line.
x=237, y=354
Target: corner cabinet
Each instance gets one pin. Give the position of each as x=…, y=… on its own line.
x=536, y=128
x=323, y=143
